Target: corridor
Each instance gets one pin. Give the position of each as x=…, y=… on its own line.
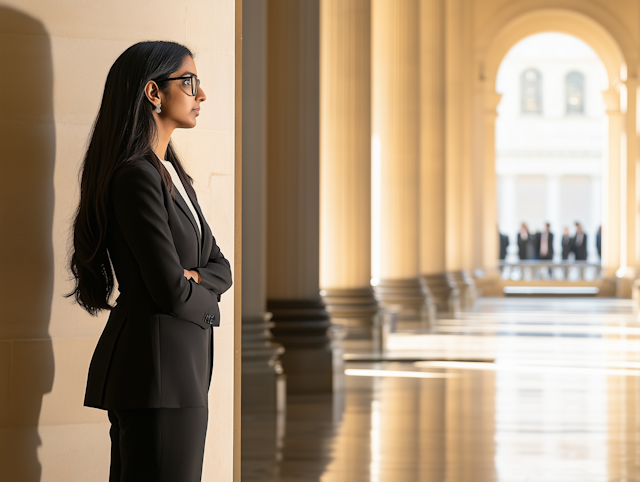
x=520, y=389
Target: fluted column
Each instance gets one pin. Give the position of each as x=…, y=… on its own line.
x=432, y=159
x=261, y=368
x=396, y=130
x=345, y=165
x=293, y=285
x=611, y=219
x=456, y=194
x=487, y=233
x=628, y=202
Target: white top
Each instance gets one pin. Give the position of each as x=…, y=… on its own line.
x=178, y=184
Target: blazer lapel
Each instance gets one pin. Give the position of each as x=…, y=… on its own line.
x=185, y=209
x=206, y=239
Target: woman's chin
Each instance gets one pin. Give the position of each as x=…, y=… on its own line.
x=189, y=124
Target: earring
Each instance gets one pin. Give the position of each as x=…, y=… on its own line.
x=158, y=109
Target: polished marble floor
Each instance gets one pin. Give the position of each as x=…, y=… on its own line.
x=519, y=389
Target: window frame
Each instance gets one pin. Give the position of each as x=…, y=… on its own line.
x=525, y=98
x=567, y=94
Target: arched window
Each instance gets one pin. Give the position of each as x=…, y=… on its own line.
x=575, y=93
x=531, y=83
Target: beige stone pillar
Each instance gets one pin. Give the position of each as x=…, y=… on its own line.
x=432, y=158
x=293, y=279
x=490, y=240
x=455, y=174
x=628, y=203
x=611, y=195
x=490, y=284
x=261, y=367
x=345, y=165
x=396, y=129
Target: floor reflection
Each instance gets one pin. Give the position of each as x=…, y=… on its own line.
x=518, y=390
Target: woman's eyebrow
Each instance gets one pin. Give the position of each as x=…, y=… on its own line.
x=187, y=73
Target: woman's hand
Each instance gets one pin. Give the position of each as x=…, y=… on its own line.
x=189, y=274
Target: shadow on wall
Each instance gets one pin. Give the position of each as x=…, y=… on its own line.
x=27, y=140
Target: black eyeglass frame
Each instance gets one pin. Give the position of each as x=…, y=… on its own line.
x=194, y=85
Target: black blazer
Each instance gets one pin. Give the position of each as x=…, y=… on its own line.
x=581, y=251
x=156, y=350
x=549, y=254
x=504, y=244
x=567, y=247
x=523, y=245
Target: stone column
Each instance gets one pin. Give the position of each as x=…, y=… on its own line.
x=432, y=159
x=611, y=218
x=261, y=368
x=396, y=128
x=490, y=240
x=596, y=210
x=345, y=165
x=628, y=202
x=301, y=322
x=455, y=195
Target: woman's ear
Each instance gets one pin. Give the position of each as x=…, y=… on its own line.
x=152, y=92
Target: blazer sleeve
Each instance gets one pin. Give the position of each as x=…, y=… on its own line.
x=139, y=207
x=216, y=275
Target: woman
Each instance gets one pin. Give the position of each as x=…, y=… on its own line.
x=526, y=247
x=139, y=213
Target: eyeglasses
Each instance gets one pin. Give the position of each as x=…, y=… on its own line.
x=190, y=83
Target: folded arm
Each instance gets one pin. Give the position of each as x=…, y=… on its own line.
x=216, y=275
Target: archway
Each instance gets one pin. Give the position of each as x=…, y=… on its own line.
x=550, y=135
x=619, y=193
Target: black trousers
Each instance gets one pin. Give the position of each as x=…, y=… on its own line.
x=157, y=444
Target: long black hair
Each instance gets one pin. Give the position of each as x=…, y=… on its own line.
x=124, y=130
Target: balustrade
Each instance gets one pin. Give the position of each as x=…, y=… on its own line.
x=534, y=270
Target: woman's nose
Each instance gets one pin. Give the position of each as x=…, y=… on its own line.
x=201, y=95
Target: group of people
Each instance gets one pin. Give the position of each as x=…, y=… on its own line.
x=540, y=245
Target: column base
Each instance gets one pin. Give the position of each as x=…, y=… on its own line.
x=303, y=327
x=445, y=293
x=635, y=291
x=608, y=287
x=410, y=298
x=624, y=288
x=624, y=285
x=356, y=309
x=489, y=283
x=465, y=284
x=263, y=381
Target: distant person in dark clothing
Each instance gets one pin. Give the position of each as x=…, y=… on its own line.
x=599, y=242
x=526, y=244
x=504, y=243
x=567, y=246
x=544, y=242
x=580, y=243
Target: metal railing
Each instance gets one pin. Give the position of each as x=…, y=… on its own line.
x=535, y=270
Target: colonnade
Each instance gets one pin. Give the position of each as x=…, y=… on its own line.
x=619, y=54
x=337, y=93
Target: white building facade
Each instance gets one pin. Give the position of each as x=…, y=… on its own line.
x=550, y=139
